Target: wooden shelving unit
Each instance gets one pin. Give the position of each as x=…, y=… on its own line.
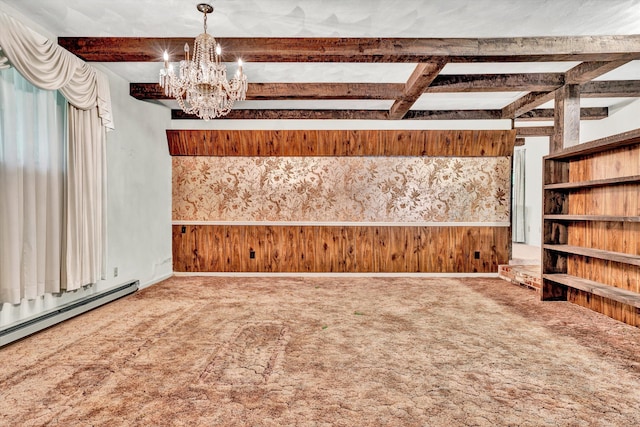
x=591, y=226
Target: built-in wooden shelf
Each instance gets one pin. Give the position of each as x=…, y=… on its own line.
x=560, y=217
x=609, y=143
x=593, y=183
x=595, y=253
x=612, y=165
x=596, y=288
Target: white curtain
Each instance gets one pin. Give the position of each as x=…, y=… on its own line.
x=86, y=200
x=47, y=66
x=32, y=164
x=518, y=203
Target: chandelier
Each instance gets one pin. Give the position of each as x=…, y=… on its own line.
x=201, y=85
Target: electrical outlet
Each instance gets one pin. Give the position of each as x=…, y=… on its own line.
x=115, y=271
x=184, y=229
x=476, y=255
x=252, y=254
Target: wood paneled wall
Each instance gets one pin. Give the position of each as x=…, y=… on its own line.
x=353, y=249
x=623, y=312
x=623, y=237
x=341, y=142
x=356, y=248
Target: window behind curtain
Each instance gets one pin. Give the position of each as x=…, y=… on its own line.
x=32, y=176
x=518, y=197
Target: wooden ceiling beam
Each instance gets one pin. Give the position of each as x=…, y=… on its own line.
x=580, y=74
x=536, y=82
x=526, y=103
x=547, y=114
x=610, y=89
x=442, y=84
x=448, y=83
x=566, y=123
x=512, y=49
x=419, y=80
x=522, y=132
x=253, y=114
x=588, y=71
x=292, y=91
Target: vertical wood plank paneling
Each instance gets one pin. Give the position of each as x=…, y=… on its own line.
x=412, y=237
x=272, y=249
x=199, y=248
x=427, y=256
x=441, y=242
x=249, y=242
x=365, y=259
x=226, y=248
x=233, y=259
x=350, y=248
x=291, y=248
x=324, y=242
x=399, y=244
x=180, y=247
x=340, y=142
x=382, y=248
x=498, y=244
x=487, y=242
x=501, y=248
x=307, y=253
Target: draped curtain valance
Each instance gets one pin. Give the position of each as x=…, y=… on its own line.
x=48, y=66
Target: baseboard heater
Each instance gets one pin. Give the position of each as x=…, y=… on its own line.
x=30, y=326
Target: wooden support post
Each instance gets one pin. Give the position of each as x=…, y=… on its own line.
x=567, y=118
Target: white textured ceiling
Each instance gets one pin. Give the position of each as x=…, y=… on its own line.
x=346, y=18
x=337, y=18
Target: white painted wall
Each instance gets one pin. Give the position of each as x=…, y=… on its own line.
x=139, y=202
x=621, y=120
x=139, y=190
x=535, y=149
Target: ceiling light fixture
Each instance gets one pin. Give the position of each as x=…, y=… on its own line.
x=201, y=88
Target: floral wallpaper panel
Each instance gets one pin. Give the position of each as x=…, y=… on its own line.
x=358, y=189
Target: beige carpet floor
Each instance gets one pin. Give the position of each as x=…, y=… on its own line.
x=326, y=352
